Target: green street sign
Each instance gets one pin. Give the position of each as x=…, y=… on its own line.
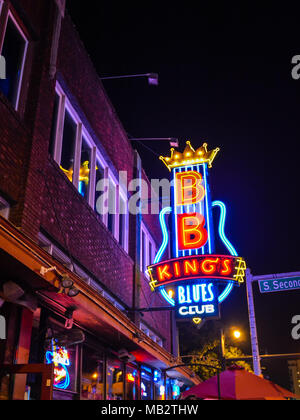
x=279, y=285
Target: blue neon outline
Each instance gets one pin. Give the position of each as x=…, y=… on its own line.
x=206, y=199
x=163, y=248
x=175, y=211
x=227, y=244
x=223, y=238
x=66, y=383
x=165, y=234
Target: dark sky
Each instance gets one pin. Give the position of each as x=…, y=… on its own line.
x=225, y=78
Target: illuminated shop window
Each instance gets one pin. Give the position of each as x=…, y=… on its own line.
x=4, y=208
x=146, y=383
x=148, y=249
x=92, y=378
x=115, y=380
x=159, y=386
x=14, y=49
x=132, y=382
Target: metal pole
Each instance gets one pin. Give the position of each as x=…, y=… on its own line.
x=219, y=385
x=222, y=349
x=252, y=322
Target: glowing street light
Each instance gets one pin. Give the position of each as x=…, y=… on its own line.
x=237, y=334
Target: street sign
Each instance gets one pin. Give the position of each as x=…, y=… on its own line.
x=279, y=285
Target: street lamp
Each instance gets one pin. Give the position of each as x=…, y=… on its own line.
x=236, y=333
x=152, y=77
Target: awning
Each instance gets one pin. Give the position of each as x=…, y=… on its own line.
x=22, y=260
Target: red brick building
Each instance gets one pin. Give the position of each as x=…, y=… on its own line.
x=72, y=278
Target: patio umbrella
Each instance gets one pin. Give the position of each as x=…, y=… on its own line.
x=238, y=384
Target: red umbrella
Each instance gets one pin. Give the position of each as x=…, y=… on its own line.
x=238, y=384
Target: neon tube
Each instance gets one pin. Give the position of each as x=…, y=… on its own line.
x=227, y=244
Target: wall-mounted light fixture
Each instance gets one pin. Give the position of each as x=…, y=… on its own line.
x=66, y=284
x=152, y=77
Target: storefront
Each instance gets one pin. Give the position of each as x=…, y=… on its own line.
x=78, y=342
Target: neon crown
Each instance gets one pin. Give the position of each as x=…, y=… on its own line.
x=190, y=156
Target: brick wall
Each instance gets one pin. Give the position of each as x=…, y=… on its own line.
x=41, y=195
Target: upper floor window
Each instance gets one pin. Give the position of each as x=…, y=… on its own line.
x=13, y=47
x=148, y=249
x=79, y=159
x=4, y=208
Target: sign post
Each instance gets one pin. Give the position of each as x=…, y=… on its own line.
x=267, y=284
x=281, y=285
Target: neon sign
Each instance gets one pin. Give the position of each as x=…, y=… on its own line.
x=60, y=357
x=206, y=267
x=196, y=280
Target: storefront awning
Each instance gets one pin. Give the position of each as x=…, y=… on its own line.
x=23, y=261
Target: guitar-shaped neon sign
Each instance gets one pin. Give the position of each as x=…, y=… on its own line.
x=193, y=278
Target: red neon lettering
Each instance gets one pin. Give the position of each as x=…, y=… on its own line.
x=177, y=269
x=227, y=270
x=190, y=267
x=189, y=188
x=163, y=273
x=191, y=231
x=209, y=266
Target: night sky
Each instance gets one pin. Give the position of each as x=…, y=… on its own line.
x=225, y=78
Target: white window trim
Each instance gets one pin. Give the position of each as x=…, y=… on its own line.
x=146, y=330
x=96, y=157
x=149, y=240
x=11, y=16
x=81, y=132
x=123, y=196
x=4, y=208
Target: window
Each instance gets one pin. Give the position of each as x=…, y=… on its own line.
x=85, y=169
x=75, y=152
x=132, y=382
x=148, y=249
x=14, y=49
x=92, y=382
x=100, y=176
x=68, y=146
x=4, y=208
x=72, y=148
x=123, y=228
x=146, y=383
x=115, y=380
x=112, y=209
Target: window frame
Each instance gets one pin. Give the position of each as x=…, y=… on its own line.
x=96, y=158
x=4, y=208
x=122, y=196
x=9, y=14
x=149, y=239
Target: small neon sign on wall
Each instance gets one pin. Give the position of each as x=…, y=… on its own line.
x=60, y=357
x=196, y=280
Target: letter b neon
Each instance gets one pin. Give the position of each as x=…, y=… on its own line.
x=191, y=231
